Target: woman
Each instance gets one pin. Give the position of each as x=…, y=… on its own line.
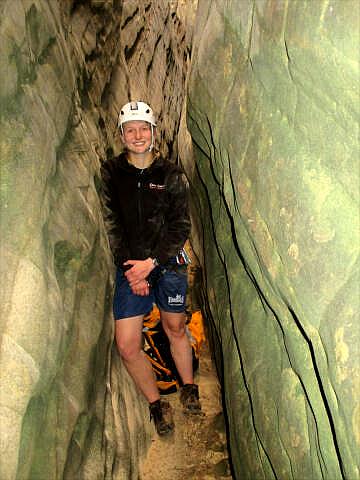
x=147, y=201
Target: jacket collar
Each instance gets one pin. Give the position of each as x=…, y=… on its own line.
x=123, y=163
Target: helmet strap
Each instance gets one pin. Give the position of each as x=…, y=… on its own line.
x=152, y=138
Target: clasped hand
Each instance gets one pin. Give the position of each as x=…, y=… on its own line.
x=137, y=274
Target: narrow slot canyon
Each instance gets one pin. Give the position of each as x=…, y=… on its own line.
x=258, y=102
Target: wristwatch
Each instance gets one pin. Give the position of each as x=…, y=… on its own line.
x=155, y=262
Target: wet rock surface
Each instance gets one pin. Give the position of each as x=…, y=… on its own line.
x=272, y=109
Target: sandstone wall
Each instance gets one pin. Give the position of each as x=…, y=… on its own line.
x=156, y=43
x=273, y=111
x=67, y=407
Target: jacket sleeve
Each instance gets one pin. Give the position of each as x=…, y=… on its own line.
x=112, y=216
x=177, y=224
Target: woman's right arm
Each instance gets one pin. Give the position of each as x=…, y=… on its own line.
x=112, y=214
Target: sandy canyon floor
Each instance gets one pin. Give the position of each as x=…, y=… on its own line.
x=197, y=449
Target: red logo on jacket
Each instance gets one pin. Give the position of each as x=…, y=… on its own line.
x=155, y=186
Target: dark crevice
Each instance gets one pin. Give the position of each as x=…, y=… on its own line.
x=169, y=59
x=105, y=95
x=289, y=60
x=129, y=51
x=250, y=35
x=93, y=55
x=76, y=5
x=233, y=189
x=101, y=123
x=84, y=84
x=262, y=298
x=67, y=137
x=213, y=334
x=322, y=462
x=109, y=153
x=148, y=68
x=118, y=6
x=242, y=366
x=250, y=274
x=321, y=389
x=287, y=51
x=251, y=64
x=26, y=68
x=106, y=353
x=228, y=283
x=44, y=55
x=129, y=19
x=170, y=146
x=113, y=467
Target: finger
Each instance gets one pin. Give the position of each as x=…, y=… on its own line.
x=129, y=273
x=138, y=285
x=134, y=279
x=142, y=288
x=142, y=292
x=130, y=262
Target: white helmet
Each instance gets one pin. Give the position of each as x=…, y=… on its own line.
x=136, y=111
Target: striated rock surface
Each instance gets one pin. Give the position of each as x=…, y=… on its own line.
x=273, y=107
x=67, y=407
x=273, y=111
x=152, y=64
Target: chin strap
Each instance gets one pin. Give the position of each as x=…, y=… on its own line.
x=152, y=138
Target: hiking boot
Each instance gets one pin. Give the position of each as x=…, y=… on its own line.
x=161, y=412
x=189, y=397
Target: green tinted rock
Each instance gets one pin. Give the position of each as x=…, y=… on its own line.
x=273, y=111
x=59, y=416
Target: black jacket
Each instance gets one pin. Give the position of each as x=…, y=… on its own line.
x=146, y=210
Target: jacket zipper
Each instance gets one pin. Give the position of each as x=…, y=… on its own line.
x=140, y=191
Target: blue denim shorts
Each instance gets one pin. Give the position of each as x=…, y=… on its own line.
x=168, y=292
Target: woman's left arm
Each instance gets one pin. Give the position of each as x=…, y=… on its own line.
x=177, y=224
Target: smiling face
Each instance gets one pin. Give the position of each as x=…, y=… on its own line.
x=137, y=136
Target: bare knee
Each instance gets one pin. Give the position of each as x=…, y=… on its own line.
x=128, y=334
x=175, y=330
x=128, y=351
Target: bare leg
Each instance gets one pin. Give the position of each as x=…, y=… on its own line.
x=128, y=333
x=174, y=326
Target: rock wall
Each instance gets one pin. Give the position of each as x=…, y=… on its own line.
x=272, y=107
x=152, y=66
x=67, y=407
x=273, y=111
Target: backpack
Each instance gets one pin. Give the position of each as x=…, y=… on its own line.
x=157, y=349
